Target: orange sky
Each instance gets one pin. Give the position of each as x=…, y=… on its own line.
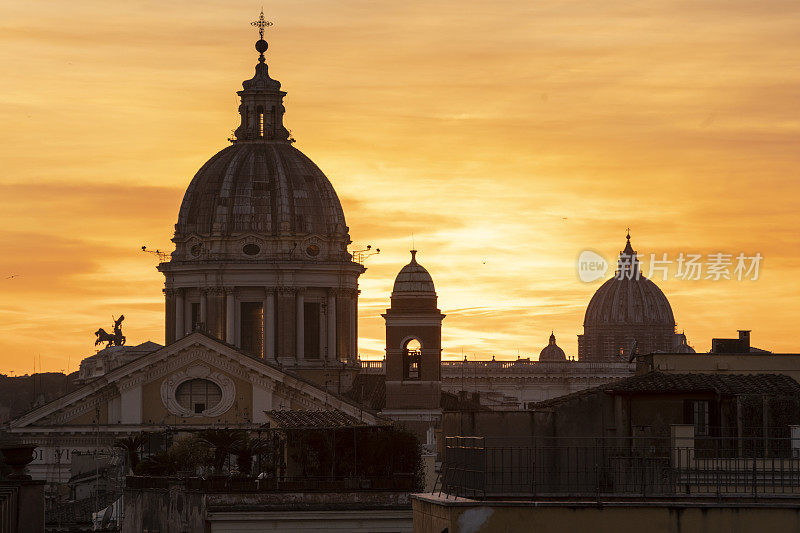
x=506, y=135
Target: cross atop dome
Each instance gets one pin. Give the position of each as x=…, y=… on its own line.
x=261, y=23
x=261, y=45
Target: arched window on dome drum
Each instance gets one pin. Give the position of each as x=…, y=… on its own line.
x=412, y=355
x=198, y=395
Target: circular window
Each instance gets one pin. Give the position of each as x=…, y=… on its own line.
x=312, y=250
x=198, y=395
x=196, y=249
x=251, y=249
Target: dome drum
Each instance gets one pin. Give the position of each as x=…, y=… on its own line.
x=258, y=249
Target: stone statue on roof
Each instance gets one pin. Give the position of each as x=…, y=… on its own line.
x=113, y=339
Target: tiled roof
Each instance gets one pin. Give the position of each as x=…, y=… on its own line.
x=369, y=390
x=297, y=419
x=724, y=384
x=728, y=384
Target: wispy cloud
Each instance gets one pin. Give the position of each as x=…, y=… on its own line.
x=507, y=136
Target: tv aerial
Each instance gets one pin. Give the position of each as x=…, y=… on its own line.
x=359, y=256
x=162, y=256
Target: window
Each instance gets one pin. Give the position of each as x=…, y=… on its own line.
x=311, y=330
x=700, y=417
x=252, y=316
x=412, y=355
x=196, y=316
x=260, y=112
x=197, y=395
x=251, y=249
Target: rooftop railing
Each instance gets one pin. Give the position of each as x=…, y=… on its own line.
x=612, y=468
x=511, y=366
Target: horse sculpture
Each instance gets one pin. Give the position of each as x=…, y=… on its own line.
x=113, y=339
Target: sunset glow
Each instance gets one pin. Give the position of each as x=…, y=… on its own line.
x=506, y=136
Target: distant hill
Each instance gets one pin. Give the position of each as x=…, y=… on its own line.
x=21, y=394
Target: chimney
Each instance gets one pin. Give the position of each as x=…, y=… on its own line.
x=744, y=340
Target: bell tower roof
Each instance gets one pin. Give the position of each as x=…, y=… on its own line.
x=413, y=280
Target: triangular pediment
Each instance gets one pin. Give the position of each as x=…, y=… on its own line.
x=156, y=375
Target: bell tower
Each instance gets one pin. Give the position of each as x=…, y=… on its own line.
x=413, y=349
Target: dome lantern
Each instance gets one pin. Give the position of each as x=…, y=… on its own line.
x=262, y=108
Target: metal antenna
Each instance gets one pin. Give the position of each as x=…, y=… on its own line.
x=359, y=256
x=163, y=256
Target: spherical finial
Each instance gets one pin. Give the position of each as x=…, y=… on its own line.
x=261, y=46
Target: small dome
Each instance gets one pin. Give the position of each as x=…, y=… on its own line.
x=413, y=280
x=552, y=352
x=682, y=345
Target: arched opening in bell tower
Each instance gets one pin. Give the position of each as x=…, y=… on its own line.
x=412, y=355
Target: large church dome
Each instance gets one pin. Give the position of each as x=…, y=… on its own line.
x=268, y=188
x=629, y=302
x=261, y=257
x=628, y=312
x=628, y=298
x=261, y=198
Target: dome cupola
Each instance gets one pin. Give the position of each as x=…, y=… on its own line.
x=626, y=308
x=629, y=298
x=551, y=352
x=261, y=198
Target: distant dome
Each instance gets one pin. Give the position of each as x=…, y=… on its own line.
x=625, y=302
x=627, y=315
x=682, y=345
x=552, y=352
x=629, y=298
x=267, y=188
x=413, y=280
